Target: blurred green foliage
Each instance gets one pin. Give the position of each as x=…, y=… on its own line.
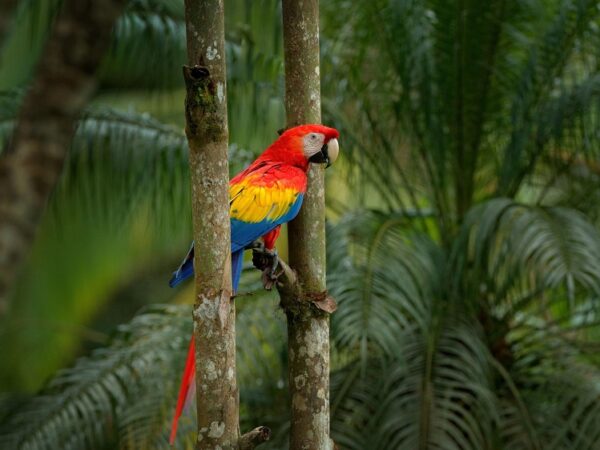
x=463, y=246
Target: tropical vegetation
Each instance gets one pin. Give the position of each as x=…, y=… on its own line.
x=463, y=238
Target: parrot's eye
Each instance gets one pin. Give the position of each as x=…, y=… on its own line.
x=313, y=136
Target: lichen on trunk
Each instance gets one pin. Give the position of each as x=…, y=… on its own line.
x=214, y=310
x=308, y=324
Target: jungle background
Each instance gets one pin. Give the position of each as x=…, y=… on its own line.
x=463, y=241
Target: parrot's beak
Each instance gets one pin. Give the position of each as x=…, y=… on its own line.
x=333, y=151
x=328, y=153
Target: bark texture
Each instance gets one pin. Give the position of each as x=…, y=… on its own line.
x=308, y=324
x=214, y=309
x=31, y=164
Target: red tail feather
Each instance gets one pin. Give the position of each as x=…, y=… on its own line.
x=186, y=382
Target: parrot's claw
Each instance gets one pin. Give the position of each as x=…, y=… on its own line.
x=267, y=261
x=256, y=245
x=270, y=278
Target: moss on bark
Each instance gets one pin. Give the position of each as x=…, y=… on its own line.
x=308, y=326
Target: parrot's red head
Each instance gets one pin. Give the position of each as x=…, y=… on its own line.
x=305, y=143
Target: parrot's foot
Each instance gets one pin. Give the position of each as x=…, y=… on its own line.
x=267, y=261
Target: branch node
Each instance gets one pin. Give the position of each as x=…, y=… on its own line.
x=199, y=72
x=293, y=298
x=323, y=301
x=254, y=438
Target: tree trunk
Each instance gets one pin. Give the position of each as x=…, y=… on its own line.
x=7, y=12
x=63, y=83
x=308, y=324
x=214, y=309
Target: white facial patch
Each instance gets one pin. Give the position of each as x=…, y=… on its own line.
x=313, y=142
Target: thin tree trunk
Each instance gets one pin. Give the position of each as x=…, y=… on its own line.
x=214, y=309
x=63, y=83
x=308, y=324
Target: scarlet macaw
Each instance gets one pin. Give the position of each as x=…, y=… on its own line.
x=266, y=195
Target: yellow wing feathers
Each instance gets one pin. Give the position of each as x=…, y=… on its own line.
x=251, y=203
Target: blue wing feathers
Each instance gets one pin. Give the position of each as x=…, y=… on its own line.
x=185, y=270
x=242, y=235
x=237, y=261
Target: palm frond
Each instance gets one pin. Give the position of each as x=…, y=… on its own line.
x=384, y=280
x=83, y=407
x=262, y=362
x=124, y=394
x=149, y=45
x=552, y=385
x=515, y=250
x=152, y=29
x=122, y=200
x=148, y=49
x=141, y=157
x=569, y=119
x=23, y=45
x=434, y=393
x=541, y=74
x=479, y=94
